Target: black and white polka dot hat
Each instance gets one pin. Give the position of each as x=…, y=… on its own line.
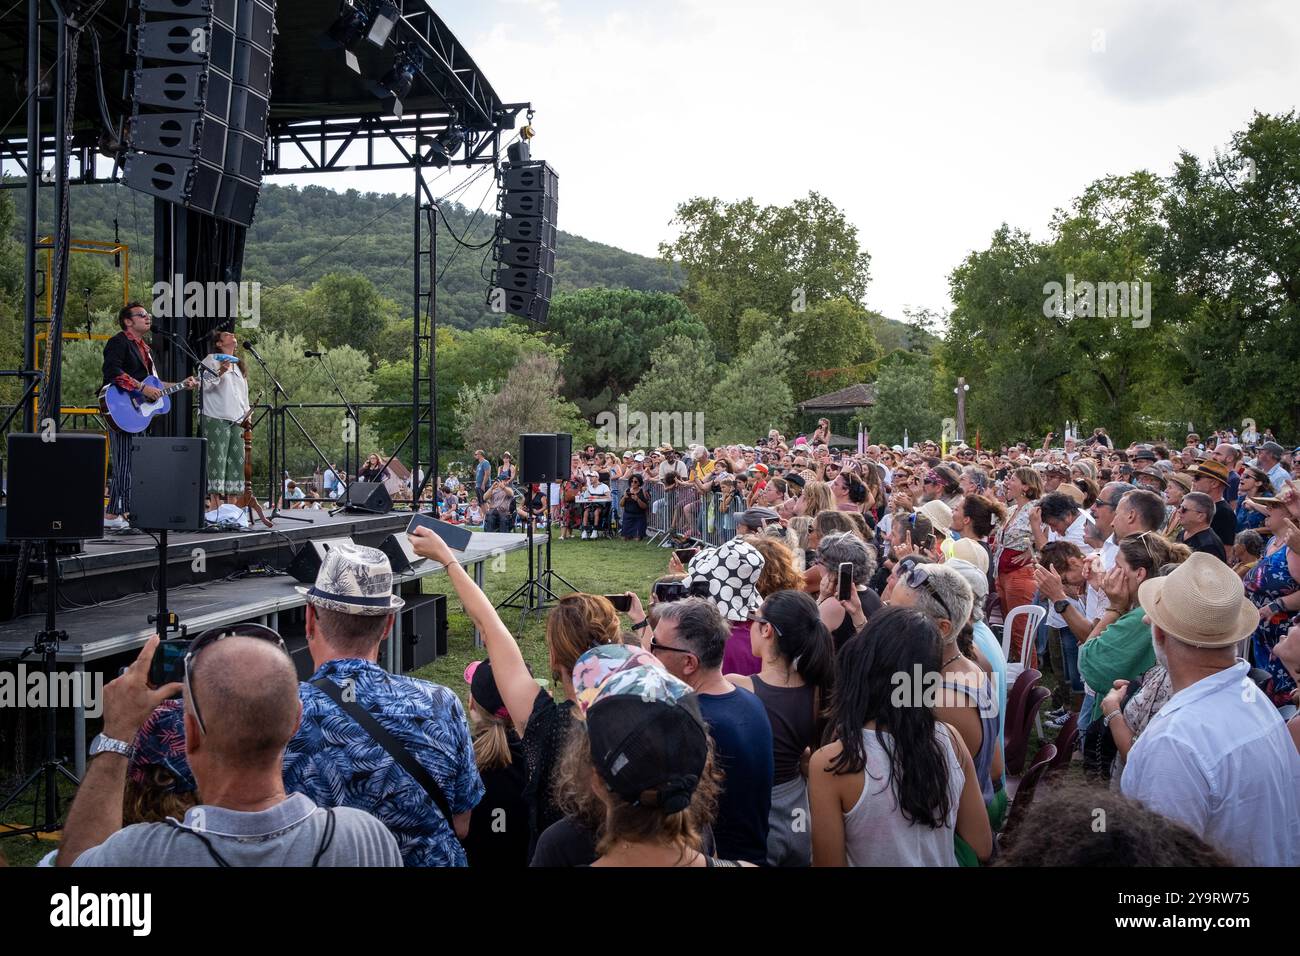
x=731, y=572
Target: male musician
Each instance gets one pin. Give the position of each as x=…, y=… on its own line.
x=127, y=361
x=225, y=409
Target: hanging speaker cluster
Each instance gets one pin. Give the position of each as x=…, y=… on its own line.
x=525, y=243
x=201, y=102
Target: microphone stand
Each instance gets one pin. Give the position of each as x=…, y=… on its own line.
x=356, y=425
x=277, y=441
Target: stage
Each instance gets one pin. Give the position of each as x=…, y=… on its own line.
x=104, y=607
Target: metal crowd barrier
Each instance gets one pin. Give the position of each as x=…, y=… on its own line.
x=684, y=514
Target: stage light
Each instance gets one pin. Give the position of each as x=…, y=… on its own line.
x=385, y=19
x=446, y=145
x=397, y=82
x=347, y=30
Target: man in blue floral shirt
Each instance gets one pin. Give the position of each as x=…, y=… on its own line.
x=336, y=761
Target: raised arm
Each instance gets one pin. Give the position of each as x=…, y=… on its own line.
x=518, y=688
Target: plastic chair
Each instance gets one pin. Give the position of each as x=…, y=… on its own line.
x=1016, y=698
x=1034, y=616
x=1066, y=742
x=1024, y=795
x=1017, y=735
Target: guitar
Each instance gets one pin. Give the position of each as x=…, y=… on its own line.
x=130, y=412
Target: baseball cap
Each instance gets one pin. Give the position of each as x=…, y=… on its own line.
x=483, y=688
x=648, y=739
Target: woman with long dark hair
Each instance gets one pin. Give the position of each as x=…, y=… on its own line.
x=794, y=685
x=897, y=786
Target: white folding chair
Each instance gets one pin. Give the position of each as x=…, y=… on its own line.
x=1033, y=616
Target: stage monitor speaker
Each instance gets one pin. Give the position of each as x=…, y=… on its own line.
x=400, y=553
x=563, y=456
x=537, y=458
x=168, y=480
x=56, y=488
x=424, y=633
x=308, y=559
x=368, y=497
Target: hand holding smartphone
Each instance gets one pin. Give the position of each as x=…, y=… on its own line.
x=457, y=538
x=622, y=603
x=684, y=555
x=846, y=581
x=168, y=663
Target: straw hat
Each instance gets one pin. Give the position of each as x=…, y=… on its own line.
x=969, y=550
x=940, y=515
x=1210, y=469
x=1182, y=480
x=1201, y=602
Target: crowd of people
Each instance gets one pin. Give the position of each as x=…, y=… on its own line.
x=826, y=686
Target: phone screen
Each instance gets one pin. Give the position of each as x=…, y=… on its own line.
x=168, y=664
x=684, y=555
x=622, y=603
x=670, y=591
x=846, y=581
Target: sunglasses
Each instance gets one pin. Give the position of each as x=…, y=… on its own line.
x=918, y=577
x=756, y=617
x=213, y=635
x=655, y=647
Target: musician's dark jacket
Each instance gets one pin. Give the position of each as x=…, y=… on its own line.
x=122, y=357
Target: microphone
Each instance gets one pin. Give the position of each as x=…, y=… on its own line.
x=310, y=353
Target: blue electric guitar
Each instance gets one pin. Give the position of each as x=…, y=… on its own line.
x=131, y=412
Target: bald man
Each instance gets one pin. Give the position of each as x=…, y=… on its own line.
x=241, y=711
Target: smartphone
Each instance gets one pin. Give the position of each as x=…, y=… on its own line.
x=666, y=591
x=622, y=603
x=684, y=555
x=168, y=664
x=457, y=538
x=846, y=580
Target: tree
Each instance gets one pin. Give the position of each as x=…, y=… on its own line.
x=777, y=259
x=681, y=377
x=345, y=308
x=904, y=392
x=1231, y=242
x=752, y=396
x=609, y=334
x=832, y=334
x=529, y=400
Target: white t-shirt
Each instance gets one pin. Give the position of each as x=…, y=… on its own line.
x=1097, y=599
x=1056, y=620
x=1074, y=533
x=226, y=397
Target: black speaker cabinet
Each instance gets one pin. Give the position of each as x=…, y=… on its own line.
x=308, y=559
x=168, y=480
x=368, y=497
x=56, y=488
x=400, y=553
x=563, y=456
x=537, y=458
x=424, y=633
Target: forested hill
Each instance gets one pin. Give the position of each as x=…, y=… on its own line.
x=301, y=234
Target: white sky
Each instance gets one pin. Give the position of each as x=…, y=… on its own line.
x=929, y=123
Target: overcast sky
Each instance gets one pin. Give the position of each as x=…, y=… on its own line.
x=929, y=123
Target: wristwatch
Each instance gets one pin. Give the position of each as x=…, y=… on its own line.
x=1060, y=606
x=102, y=744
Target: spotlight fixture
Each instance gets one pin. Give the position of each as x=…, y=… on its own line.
x=386, y=16
x=347, y=30
x=397, y=82
x=446, y=144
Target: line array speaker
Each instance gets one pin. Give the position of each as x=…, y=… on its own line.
x=201, y=101
x=525, y=243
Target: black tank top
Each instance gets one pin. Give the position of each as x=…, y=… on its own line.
x=790, y=711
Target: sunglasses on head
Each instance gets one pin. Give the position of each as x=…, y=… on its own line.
x=916, y=577
x=211, y=636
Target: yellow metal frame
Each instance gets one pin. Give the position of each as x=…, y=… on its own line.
x=93, y=247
